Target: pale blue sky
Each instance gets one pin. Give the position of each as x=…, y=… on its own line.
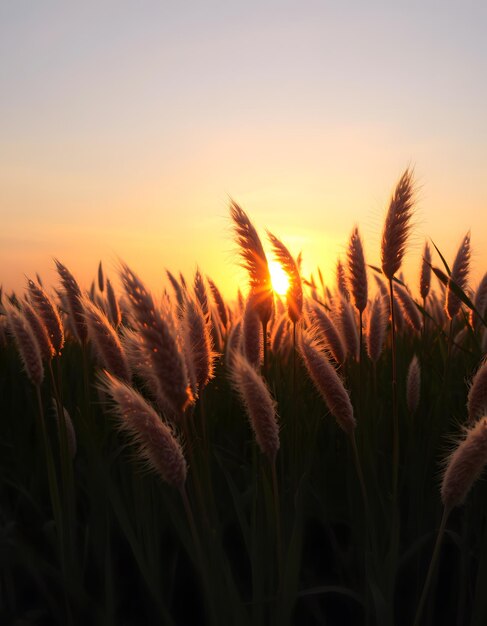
x=125, y=126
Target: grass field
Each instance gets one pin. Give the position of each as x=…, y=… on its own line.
x=179, y=459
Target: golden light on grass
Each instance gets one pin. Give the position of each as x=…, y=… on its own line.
x=279, y=278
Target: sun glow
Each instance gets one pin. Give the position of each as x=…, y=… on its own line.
x=279, y=278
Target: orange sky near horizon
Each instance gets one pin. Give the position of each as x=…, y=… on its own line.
x=125, y=130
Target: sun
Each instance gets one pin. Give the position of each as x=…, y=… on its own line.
x=279, y=278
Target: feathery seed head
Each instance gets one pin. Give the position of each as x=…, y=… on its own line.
x=259, y=404
x=106, y=342
x=294, y=295
x=480, y=303
x=113, y=306
x=200, y=292
x=413, y=385
x=73, y=300
x=348, y=327
x=477, y=394
x=464, y=465
x=408, y=308
x=220, y=303
x=342, y=280
x=425, y=275
x=376, y=329
x=254, y=261
x=459, y=276
x=49, y=314
x=397, y=225
x=164, y=362
x=198, y=343
x=156, y=443
x=326, y=328
x=252, y=332
x=39, y=331
x=357, y=271
x=27, y=345
x=327, y=382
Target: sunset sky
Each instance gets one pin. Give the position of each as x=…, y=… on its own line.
x=126, y=127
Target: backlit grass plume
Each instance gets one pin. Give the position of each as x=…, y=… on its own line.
x=156, y=443
x=39, y=330
x=219, y=301
x=259, y=404
x=252, y=341
x=357, y=271
x=294, y=295
x=408, y=307
x=459, y=276
x=329, y=333
x=200, y=292
x=164, y=361
x=341, y=280
x=346, y=322
x=425, y=274
x=477, y=394
x=27, y=344
x=465, y=465
x=106, y=342
x=376, y=328
x=397, y=225
x=199, y=344
x=73, y=297
x=254, y=261
x=327, y=382
x=48, y=312
x=480, y=303
x=113, y=308
x=413, y=385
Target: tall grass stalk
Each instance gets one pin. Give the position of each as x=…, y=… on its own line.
x=395, y=416
x=278, y=525
x=431, y=568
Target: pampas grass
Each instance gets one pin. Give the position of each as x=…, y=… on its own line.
x=480, y=305
x=425, y=273
x=114, y=312
x=458, y=276
x=164, y=364
x=200, y=292
x=397, y=226
x=252, y=339
x=329, y=333
x=199, y=344
x=327, y=382
x=48, y=312
x=477, y=394
x=106, y=342
x=220, y=303
x=294, y=295
x=39, y=331
x=464, y=465
x=395, y=234
x=376, y=329
x=73, y=300
x=341, y=280
x=357, y=271
x=156, y=444
x=348, y=327
x=27, y=344
x=413, y=385
x=255, y=262
x=408, y=308
x=259, y=404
